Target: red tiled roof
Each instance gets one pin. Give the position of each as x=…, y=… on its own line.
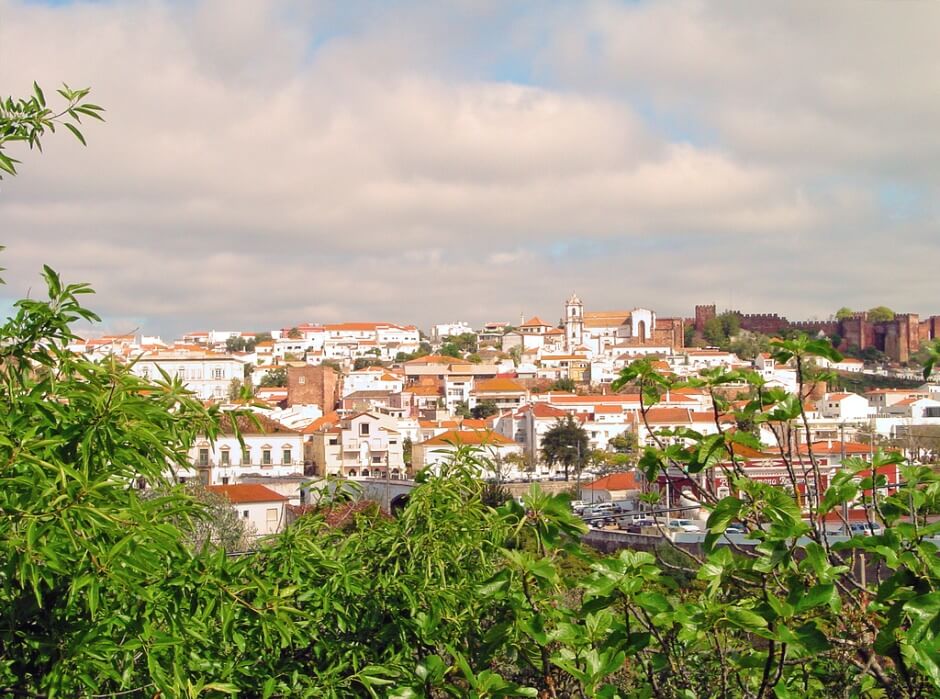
x=436, y=359
x=608, y=409
x=320, y=423
x=498, y=386
x=835, y=447
x=246, y=493
x=544, y=410
x=247, y=425
x=468, y=437
x=615, y=481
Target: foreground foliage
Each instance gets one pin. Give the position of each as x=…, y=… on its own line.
x=101, y=593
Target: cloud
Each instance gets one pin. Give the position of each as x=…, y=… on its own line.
x=292, y=162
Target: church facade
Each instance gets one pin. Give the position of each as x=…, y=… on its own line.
x=603, y=332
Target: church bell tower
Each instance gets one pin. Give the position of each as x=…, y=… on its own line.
x=574, y=322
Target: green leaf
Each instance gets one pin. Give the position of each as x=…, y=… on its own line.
x=745, y=618
x=76, y=132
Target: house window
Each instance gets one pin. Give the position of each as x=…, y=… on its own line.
x=301, y=380
x=181, y=372
x=225, y=457
x=218, y=373
x=271, y=518
x=285, y=457
x=203, y=457
x=376, y=459
x=181, y=479
x=265, y=457
x=225, y=480
x=244, y=514
x=246, y=456
x=333, y=441
x=145, y=372
x=363, y=428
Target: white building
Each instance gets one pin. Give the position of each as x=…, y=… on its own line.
x=493, y=446
x=271, y=450
x=207, y=375
x=360, y=446
x=442, y=330
x=262, y=509
x=844, y=407
x=373, y=378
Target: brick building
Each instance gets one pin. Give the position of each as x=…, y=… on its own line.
x=313, y=385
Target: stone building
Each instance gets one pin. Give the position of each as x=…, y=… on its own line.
x=313, y=385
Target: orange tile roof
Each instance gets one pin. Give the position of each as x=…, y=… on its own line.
x=835, y=447
x=609, y=398
x=473, y=424
x=436, y=359
x=544, y=410
x=615, y=481
x=469, y=437
x=498, y=386
x=535, y=322
x=608, y=409
x=327, y=420
x=246, y=493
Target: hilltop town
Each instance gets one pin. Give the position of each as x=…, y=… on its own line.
x=367, y=400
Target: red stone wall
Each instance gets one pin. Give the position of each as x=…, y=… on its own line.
x=313, y=385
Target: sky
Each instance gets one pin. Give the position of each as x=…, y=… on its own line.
x=266, y=163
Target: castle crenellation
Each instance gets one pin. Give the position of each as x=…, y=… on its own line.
x=898, y=338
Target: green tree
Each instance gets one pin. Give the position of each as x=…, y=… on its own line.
x=274, y=378
x=624, y=443
x=566, y=443
x=294, y=334
x=217, y=526
x=462, y=409
x=363, y=362
x=465, y=342
x=880, y=314
x=844, y=313
x=449, y=349
x=484, y=409
x=564, y=384
x=239, y=390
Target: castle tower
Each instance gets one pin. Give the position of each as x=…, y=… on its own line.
x=574, y=322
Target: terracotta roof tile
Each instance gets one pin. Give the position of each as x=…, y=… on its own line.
x=246, y=493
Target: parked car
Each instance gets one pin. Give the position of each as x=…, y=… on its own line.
x=686, y=525
x=735, y=530
x=634, y=525
x=865, y=529
x=578, y=505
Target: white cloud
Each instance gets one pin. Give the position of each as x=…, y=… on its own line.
x=279, y=163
